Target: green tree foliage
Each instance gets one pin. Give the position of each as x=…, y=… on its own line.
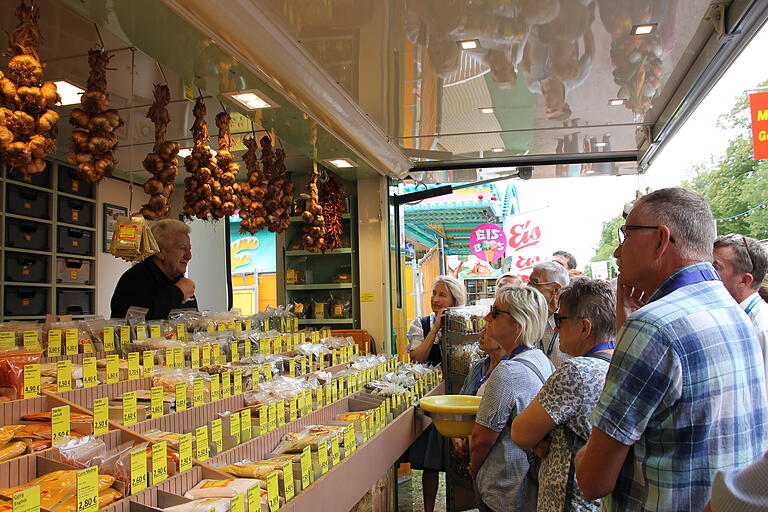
x=735, y=182
x=609, y=239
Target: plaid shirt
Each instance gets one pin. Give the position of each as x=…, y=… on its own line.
x=686, y=389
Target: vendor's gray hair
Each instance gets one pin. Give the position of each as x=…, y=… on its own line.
x=528, y=308
x=687, y=215
x=555, y=272
x=164, y=229
x=754, y=262
x=594, y=300
x=455, y=288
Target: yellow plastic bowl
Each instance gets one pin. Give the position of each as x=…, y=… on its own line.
x=452, y=415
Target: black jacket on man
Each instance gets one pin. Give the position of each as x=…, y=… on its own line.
x=145, y=285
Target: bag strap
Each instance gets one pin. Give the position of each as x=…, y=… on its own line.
x=533, y=368
x=604, y=357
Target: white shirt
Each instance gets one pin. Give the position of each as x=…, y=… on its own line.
x=550, y=344
x=416, y=334
x=757, y=310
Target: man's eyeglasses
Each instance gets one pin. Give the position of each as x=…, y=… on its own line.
x=630, y=227
x=733, y=236
x=532, y=282
x=495, y=311
x=559, y=319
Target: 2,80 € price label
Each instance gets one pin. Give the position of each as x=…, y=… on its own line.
x=88, y=489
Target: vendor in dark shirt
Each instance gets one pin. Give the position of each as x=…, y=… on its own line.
x=158, y=282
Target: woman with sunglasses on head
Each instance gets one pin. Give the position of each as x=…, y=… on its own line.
x=424, y=347
x=557, y=423
x=505, y=475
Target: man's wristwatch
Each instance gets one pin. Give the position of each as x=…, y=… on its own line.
x=471, y=472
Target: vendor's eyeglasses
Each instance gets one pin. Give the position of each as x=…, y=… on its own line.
x=559, y=318
x=495, y=311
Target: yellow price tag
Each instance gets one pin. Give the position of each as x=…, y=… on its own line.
x=292, y=367
x=280, y=412
x=306, y=467
x=226, y=384
x=245, y=425
x=54, y=342
x=88, y=489
x=335, y=389
x=169, y=361
x=234, y=427
x=273, y=495
x=198, y=389
x=206, y=355
x=130, y=416
x=247, y=348
x=216, y=434
x=64, y=375
x=322, y=456
x=113, y=368
x=319, y=397
x=154, y=331
x=30, y=340
x=133, y=366
x=138, y=470
x=288, y=480
x=254, y=498
x=293, y=409
x=268, y=372
x=302, y=404
x=141, y=332
x=265, y=346
x=8, y=340
x=211, y=328
x=159, y=462
x=237, y=503
x=181, y=396
x=178, y=357
x=28, y=500
x=148, y=360
x=335, y=450
x=233, y=351
x=263, y=420
x=156, y=404
x=201, y=443
x=60, y=425
x=90, y=374
x=272, y=407
x=237, y=384
x=181, y=332
x=31, y=380
x=217, y=354
x=185, y=452
x=195, y=354
x=215, y=387
x=101, y=416
x=125, y=334
x=350, y=442
x=71, y=342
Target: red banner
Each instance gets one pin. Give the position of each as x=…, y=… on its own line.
x=758, y=104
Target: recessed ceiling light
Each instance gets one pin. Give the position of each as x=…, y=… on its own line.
x=469, y=44
x=69, y=92
x=486, y=110
x=251, y=99
x=497, y=150
x=600, y=144
x=641, y=30
x=616, y=102
x=341, y=163
x=185, y=152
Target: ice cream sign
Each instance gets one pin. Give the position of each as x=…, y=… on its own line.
x=488, y=242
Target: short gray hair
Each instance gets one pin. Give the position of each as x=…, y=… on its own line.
x=528, y=308
x=555, y=272
x=163, y=229
x=594, y=300
x=751, y=256
x=510, y=275
x=455, y=288
x=687, y=215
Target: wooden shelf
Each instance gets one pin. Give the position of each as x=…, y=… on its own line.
x=28, y=251
x=28, y=185
x=330, y=252
x=75, y=226
x=326, y=286
x=75, y=196
x=24, y=217
x=329, y=321
x=75, y=256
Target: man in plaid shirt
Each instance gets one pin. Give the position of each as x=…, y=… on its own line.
x=685, y=393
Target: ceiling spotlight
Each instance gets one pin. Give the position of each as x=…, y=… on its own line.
x=497, y=150
x=616, y=102
x=600, y=144
x=486, y=110
x=641, y=30
x=341, y=163
x=69, y=92
x=251, y=99
x=469, y=44
x=185, y=152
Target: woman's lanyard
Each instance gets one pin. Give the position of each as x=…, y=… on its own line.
x=600, y=346
x=480, y=380
x=752, y=304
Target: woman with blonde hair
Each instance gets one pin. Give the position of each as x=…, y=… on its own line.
x=505, y=475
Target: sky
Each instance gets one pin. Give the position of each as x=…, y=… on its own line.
x=579, y=206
